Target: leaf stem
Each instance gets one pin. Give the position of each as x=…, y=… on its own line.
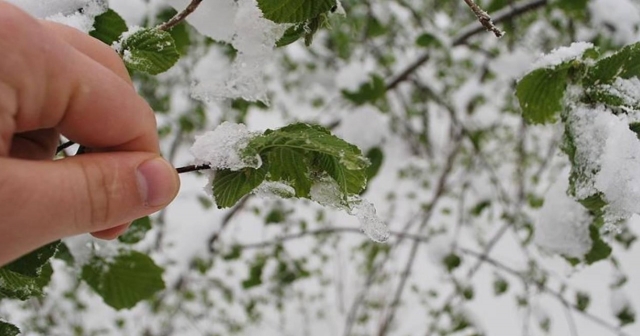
x=64, y=146
x=192, y=168
x=180, y=17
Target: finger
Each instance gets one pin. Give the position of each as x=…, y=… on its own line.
x=56, y=86
x=35, y=145
x=91, y=47
x=111, y=233
x=86, y=193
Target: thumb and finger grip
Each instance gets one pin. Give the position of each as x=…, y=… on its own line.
x=88, y=193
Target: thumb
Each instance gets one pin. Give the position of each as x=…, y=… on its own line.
x=41, y=201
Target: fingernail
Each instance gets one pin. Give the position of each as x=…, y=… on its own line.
x=157, y=182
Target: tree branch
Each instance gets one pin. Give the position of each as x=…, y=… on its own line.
x=192, y=168
x=64, y=146
x=508, y=13
x=324, y=231
x=439, y=191
x=544, y=289
x=178, y=18
x=484, y=18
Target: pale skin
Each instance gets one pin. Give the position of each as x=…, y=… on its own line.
x=57, y=80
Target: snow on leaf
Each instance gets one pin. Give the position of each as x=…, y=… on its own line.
x=563, y=224
x=294, y=11
x=223, y=148
x=148, y=50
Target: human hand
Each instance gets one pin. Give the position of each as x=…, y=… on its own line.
x=56, y=80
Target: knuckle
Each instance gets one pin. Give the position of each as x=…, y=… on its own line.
x=100, y=190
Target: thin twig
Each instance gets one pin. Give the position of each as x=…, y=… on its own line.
x=225, y=222
x=64, y=146
x=324, y=231
x=192, y=168
x=439, y=191
x=178, y=18
x=544, y=289
x=484, y=18
x=503, y=15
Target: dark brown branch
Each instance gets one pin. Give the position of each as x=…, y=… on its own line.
x=178, y=18
x=508, y=13
x=64, y=146
x=192, y=168
x=484, y=18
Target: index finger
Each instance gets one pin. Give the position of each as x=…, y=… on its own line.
x=56, y=86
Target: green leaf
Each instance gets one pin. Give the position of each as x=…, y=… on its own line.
x=541, y=93
x=635, y=127
x=294, y=11
x=428, y=40
x=149, y=50
x=595, y=204
x=255, y=273
x=234, y=254
x=452, y=261
x=599, y=250
x=350, y=181
x=108, y=27
x=369, y=92
x=290, y=166
x=577, y=8
x=125, y=280
x=626, y=316
x=7, y=329
x=31, y=264
x=623, y=64
x=376, y=157
x=308, y=138
x=65, y=255
x=17, y=286
x=230, y=186
x=291, y=35
x=136, y=231
x=582, y=301
x=500, y=286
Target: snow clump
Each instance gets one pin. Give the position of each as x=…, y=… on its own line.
x=241, y=24
x=608, y=161
x=79, y=14
x=222, y=148
x=562, y=54
x=563, y=223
